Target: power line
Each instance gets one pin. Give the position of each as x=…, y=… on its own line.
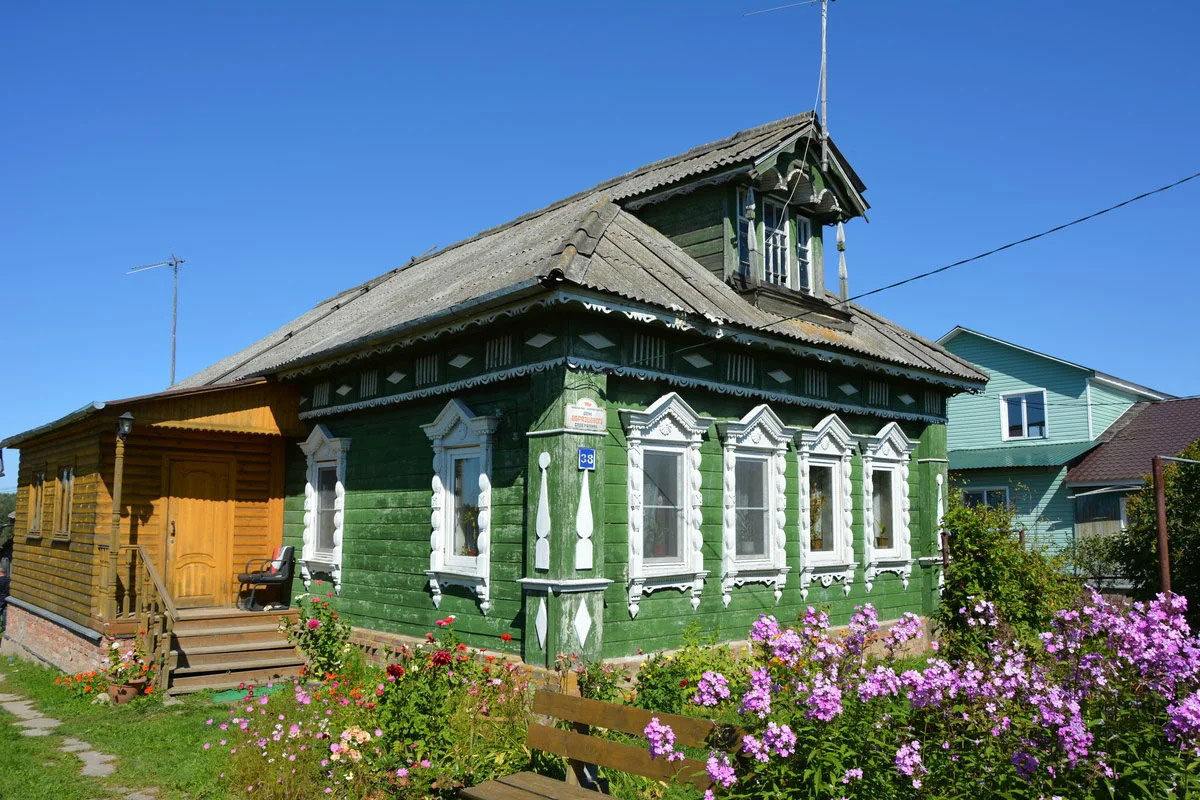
x=780, y=8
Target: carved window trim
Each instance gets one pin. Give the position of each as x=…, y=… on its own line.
x=669, y=424
x=829, y=444
x=889, y=450
x=322, y=451
x=457, y=432
x=760, y=435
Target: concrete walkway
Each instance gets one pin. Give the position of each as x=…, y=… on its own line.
x=32, y=722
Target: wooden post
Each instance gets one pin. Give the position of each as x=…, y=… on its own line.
x=1160, y=512
x=945, y=534
x=114, y=546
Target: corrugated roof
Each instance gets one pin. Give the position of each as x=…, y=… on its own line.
x=593, y=243
x=1034, y=455
x=1161, y=428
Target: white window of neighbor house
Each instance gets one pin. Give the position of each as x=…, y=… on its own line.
x=1023, y=415
x=990, y=496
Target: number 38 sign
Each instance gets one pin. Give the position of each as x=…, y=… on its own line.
x=587, y=458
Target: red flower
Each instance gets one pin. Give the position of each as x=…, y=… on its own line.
x=506, y=637
x=460, y=647
x=395, y=670
x=683, y=682
x=441, y=658
x=429, y=637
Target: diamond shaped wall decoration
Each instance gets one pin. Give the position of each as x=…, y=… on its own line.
x=303, y=401
x=597, y=340
x=460, y=360
x=780, y=376
x=344, y=390
x=540, y=340
x=848, y=388
x=539, y=623
x=396, y=377
x=582, y=621
x=698, y=361
x=907, y=399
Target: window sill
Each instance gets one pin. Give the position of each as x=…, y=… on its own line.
x=743, y=573
x=677, y=577
x=448, y=576
x=825, y=572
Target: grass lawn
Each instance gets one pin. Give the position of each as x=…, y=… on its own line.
x=155, y=745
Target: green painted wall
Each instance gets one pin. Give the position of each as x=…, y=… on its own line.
x=1039, y=496
x=696, y=222
x=663, y=614
x=1108, y=404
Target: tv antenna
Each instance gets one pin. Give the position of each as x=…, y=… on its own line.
x=174, y=265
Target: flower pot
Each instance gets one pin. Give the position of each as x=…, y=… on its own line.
x=124, y=692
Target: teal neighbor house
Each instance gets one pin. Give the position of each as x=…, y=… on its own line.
x=1016, y=442
x=646, y=405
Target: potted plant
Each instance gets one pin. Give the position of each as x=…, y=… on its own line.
x=127, y=669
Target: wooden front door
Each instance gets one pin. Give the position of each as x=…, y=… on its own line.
x=199, y=530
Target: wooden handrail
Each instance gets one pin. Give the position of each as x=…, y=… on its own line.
x=148, y=599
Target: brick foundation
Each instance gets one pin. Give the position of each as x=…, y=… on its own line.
x=33, y=637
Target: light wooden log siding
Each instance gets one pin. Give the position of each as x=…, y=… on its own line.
x=664, y=614
x=268, y=408
x=258, y=492
x=54, y=573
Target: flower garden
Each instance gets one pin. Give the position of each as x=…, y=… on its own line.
x=1040, y=693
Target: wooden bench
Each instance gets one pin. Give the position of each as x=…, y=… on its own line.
x=585, y=752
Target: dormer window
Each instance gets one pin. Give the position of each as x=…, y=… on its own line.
x=1023, y=415
x=786, y=242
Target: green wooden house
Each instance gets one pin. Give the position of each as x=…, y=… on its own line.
x=641, y=407
x=1015, y=443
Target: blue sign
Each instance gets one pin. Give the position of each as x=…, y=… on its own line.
x=587, y=458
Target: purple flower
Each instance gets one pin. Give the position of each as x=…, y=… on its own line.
x=780, y=739
x=764, y=629
x=1026, y=764
x=661, y=740
x=757, y=698
x=908, y=762
x=1183, y=725
x=825, y=702
x=720, y=771
x=711, y=689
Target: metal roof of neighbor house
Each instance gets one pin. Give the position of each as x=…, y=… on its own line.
x=1033, y=455
x=1161, y=428
x=589, y=241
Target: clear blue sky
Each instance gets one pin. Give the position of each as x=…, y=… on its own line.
x=289, y=150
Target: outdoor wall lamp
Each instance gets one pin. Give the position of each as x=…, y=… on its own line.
x=124, y=425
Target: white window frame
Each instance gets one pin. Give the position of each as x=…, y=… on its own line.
x=759, y=435
x=455, y=433
x=804, y=237
x=829, y=444
x=668, y=425
x=984, y=490
x=321, y=449
x=1123, y=510
x=786, y=247
x=890, y=451
x=1024, y=416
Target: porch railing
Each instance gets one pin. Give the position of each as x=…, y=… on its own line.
x=141, y=594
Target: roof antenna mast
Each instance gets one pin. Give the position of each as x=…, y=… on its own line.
x=174, y=265
x=824, y=89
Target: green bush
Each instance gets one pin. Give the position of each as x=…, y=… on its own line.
x=667, y=681
x=1138, y=548
x=320, y=634
x=988, y=561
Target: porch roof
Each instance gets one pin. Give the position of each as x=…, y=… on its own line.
x=255, y=406
x=1037, y=455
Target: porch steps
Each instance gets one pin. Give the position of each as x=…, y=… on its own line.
x=225, y=648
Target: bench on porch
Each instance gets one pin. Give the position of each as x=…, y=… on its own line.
x=585, y=752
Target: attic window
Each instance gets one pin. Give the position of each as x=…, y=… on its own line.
x=776, y=260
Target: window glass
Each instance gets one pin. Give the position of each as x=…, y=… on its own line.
x=466, y=506
x=993, y=498
x=803, y=252
x=750, y=506
x=745, y=231
x=820, y=508
x=661, y=509
x=35, y=502
x=881, y=497
x=997, y=497
x=775, y=244
x=62, y=503
x=1035, y=415
x=1016, y=416
x=326, y=504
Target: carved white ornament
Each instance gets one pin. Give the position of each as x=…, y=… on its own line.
x=888, y=450
x=941, y=512
x=584, y=526
x=457, y=430
x=668, y=424
x=698, y=361
x=829, y=444
x=322, y=450
x=758, y=434
x=582, y=621
x=344, y=389
x=848, y=388
x=597, y=340
x=461, y=360
x=541, y=622
x=540, y=340
x=541, y=549
x=907, y=399
x=395, y=377
x=779, y=376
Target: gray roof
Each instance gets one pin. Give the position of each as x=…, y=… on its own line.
x=591, y=242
